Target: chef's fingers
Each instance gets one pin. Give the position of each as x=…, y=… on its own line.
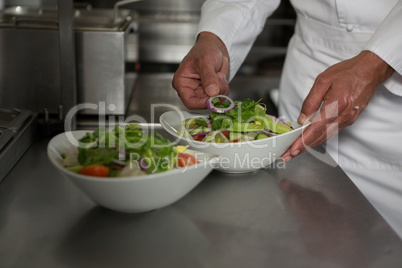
x=315, y=97
x=208, y=76
x=305, y=141
x=311, y=134
x=222, y=74
x=225, y=66
x=195, y=102
x=326, y=124
x=191, y=92
x=338, y=118
x=223, y=85
x=182, y=82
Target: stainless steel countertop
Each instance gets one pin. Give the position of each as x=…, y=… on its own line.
x=304, y=213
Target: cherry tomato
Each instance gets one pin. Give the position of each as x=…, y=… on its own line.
x=96, y=170
x=236, y=140
x=226, y=133
x=185, y=160
x=199, y=138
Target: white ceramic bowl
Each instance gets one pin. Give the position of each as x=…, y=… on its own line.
x=132, y=194
x=238, y=157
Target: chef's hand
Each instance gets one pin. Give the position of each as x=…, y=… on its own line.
x=203, y=71
x=344, y=90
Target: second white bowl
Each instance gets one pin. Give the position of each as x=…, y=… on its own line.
x=132, y=194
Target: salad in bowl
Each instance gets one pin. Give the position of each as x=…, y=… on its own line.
x=241, y=132
x=125, y=152
x=127, y=170
x=233, y=122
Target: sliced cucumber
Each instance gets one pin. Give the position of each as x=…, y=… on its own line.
x=189, y=123
x=235, y=135
x=210, y=137
x=261, y=136
x=220, y=138
x=216, y=136
x=250, y=136
x=245, y=127
x=184, y=133
x=197, y=130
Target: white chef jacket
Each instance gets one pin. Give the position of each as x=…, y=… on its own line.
x=327, y=32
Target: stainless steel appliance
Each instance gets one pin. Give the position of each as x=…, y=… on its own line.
x=17, y=132
x=30, y=68
x=167, y=28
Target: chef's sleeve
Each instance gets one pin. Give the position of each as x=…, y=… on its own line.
x=237, y=23
x=387, y=44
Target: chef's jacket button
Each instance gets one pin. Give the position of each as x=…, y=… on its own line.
x=349, y=27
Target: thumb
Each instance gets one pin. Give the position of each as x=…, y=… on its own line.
x=212, y=90
x=209, y=80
